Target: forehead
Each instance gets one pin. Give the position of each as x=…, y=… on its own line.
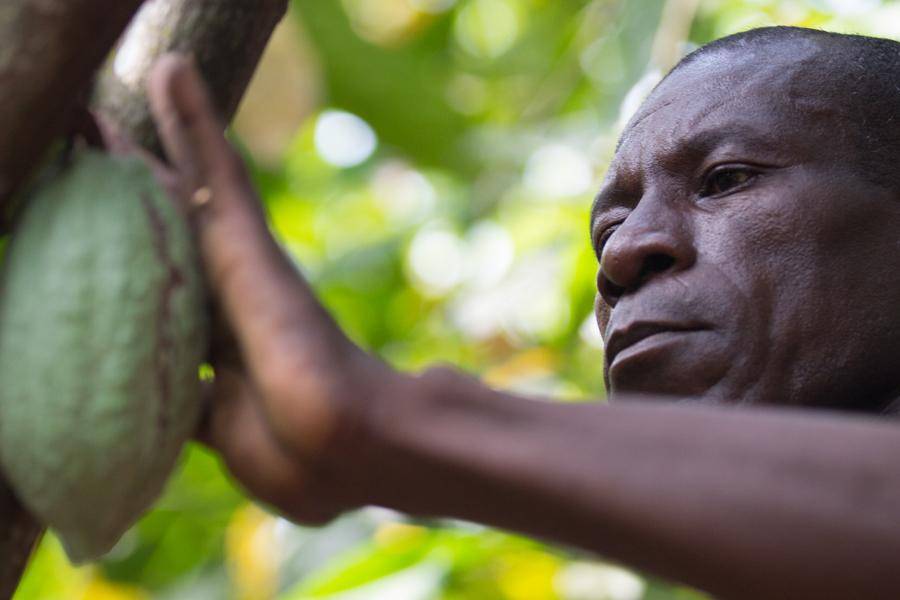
x=731, y=98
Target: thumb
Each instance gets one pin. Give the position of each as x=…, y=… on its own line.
x=190, y=130
x=264, y=299
x=247, y=271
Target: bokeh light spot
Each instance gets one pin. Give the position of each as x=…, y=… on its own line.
x=558, y=171
x=343, y=139
x=405, y=194
x=487, y=28
x=436, y=259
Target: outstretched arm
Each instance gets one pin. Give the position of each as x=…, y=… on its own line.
x=743, y=503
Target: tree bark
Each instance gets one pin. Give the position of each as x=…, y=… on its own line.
x=225, y=37
x=50, y=51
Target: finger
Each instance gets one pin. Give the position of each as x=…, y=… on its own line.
x=262, y=295
x=190, y=131
x=168, y=125
x=193, y=137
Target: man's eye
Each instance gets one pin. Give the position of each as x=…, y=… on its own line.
x=726, y=179
x=604, y=237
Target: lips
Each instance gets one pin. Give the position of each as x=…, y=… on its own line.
x=625, y=337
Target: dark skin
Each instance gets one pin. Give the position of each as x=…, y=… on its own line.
x=732, y=216
x=748, y=261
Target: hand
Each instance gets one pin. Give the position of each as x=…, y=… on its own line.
x=286, y=401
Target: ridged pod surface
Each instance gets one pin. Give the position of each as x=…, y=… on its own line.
x=102, y=331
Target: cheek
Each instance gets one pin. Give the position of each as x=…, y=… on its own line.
x=763, y=274
x=811, y=246
x=803, y=258
x=764, y=242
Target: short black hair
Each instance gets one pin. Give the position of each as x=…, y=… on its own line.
x=860, y=73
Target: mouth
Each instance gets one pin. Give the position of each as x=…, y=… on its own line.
x=638, y=335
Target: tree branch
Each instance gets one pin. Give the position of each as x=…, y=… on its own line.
x=50, y=50
x=226, y=38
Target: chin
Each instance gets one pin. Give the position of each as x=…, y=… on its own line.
x=667, y=381
x=678, y=366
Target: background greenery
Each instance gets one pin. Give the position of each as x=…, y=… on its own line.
x=430, y=164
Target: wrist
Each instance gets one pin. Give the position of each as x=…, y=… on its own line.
x=409, y=429
x=379, y=453
x=355, y=458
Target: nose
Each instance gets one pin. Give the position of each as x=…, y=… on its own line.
x=654, y=240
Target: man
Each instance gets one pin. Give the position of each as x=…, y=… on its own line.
x=747, y=233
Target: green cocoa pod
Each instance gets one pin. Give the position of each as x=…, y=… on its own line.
x=102, y=331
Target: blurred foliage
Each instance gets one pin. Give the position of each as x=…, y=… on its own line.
x=430, y=163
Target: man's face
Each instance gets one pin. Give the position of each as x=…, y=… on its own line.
x=744, y=256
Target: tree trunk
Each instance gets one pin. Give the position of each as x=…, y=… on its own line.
x=50, y=54
x=50, y=50
x=225, y=37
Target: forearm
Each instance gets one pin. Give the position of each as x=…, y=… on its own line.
x=742, y=503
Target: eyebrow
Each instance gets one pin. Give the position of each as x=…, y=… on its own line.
x=696, y=147
x=705, y=141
